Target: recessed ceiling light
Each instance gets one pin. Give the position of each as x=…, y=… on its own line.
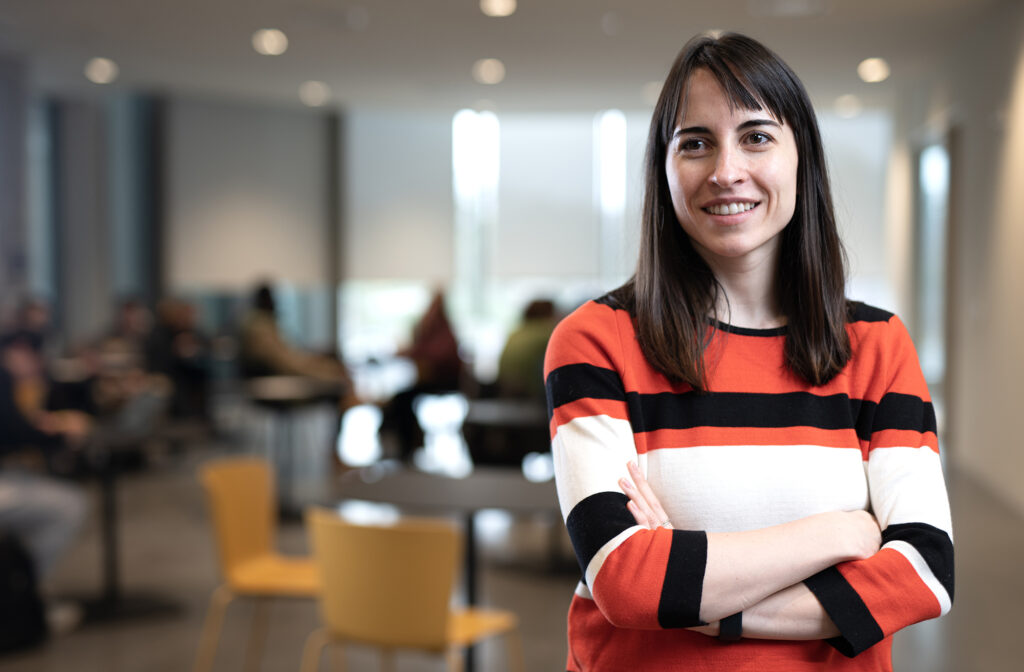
x=101, y=70
x=848, y=106
x=873, y=70
x=489, y=71
x=498, y=7
x=270, y=42
x=314, y=93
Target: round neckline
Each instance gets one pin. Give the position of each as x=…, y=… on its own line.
x=748, y=331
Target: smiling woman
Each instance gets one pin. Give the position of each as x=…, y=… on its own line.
x=740, y=451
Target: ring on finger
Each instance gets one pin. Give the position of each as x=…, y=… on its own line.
x=666, y=523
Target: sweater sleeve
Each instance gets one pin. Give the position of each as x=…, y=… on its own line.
x=639, y=578
x=910, y=579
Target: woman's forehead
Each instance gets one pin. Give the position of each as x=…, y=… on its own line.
x=738, y=97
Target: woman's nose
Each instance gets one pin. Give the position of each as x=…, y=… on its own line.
x=728, y=168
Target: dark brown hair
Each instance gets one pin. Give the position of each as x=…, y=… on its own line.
x=673, y=292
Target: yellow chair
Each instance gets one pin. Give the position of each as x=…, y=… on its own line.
x=390, y=586
x=241, y=500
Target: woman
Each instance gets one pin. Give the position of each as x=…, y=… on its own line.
x=734, y=441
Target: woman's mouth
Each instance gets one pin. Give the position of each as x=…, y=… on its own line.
x=730, y=208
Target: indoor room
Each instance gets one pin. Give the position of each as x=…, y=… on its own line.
x=278, y=278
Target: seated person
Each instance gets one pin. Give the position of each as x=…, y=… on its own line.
x=43, y=512
x=521, y=367
x=264, y=352
x=435, y=352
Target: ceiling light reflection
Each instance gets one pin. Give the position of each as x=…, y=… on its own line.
x=314, y=93
x=270, y=42
x=101, y=70
x=498, y=7
x=848, y=106
x=873, y=70
x=489, y=71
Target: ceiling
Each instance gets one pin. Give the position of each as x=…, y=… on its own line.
x=418, y=54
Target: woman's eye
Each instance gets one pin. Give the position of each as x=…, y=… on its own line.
x=692, y=145
x=758, y=138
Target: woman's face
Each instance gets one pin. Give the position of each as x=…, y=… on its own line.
x=732, y=175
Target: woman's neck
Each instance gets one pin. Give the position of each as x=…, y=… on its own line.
x=748, y=298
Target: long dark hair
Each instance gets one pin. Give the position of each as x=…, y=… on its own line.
x=673, y=292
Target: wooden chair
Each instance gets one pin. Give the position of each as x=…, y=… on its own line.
x=242, y=504
x=390, y=586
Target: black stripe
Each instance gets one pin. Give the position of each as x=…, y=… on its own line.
x=737, y=409
x=862, y=312
x=582, y=381
x=595, y=521
x=679, y=606
x=857, y=627
x=904, y=411
x=933, y=544
x=686, y=410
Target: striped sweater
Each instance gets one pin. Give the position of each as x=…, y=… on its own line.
x=761, y=448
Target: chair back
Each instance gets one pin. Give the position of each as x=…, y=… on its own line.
x=387, y=585
x=240, y=497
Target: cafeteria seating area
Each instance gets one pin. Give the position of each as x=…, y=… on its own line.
x=169, y=551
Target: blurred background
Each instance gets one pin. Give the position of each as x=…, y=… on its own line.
x=364, y=157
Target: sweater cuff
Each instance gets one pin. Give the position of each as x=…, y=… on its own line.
x=858, y=630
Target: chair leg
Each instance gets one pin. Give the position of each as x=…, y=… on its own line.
x=514, y=649
x=313, y=649
x=257, y=634
x=337, y=657
x=387, y=659
x=219, y=601
x=454, y=656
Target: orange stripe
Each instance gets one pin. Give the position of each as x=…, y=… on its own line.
x=904, y=438
x=584, y=408
x=893, y=592
x=628, y=587
x=751, y=436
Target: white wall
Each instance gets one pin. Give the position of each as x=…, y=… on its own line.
x=987, y=83
x=247, y=196
x=398, y=187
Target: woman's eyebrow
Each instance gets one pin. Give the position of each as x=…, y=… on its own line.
x=749, y=123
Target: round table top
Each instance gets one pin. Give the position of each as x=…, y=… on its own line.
x=483, y=488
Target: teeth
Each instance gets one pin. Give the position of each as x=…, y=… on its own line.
x=730, y=208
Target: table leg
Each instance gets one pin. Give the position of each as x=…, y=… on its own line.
x=470, y=551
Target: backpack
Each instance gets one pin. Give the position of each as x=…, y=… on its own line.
x=22, y=614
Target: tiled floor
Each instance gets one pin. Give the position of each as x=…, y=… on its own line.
x=167, y=549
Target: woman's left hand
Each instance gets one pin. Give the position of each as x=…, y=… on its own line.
x=643, y=503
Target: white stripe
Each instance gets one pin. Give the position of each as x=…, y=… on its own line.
x=907, y=487
x=590, y=456
x=924, y=571
x=594, y=568
x=737, y=488
x=583, y=591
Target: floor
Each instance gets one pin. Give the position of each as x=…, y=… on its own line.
x=167, y=550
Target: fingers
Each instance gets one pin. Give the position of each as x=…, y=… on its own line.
x=643, y=503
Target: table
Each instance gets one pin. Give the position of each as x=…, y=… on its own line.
x=127, y=432
x=484, y=488
x=283, y=395
x=503, y=431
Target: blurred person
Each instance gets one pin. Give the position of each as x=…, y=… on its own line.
x=521, y=365
x=264, y=351
x=746, y=460
x=177, y=349
x=45, y=513
x=434, y=350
